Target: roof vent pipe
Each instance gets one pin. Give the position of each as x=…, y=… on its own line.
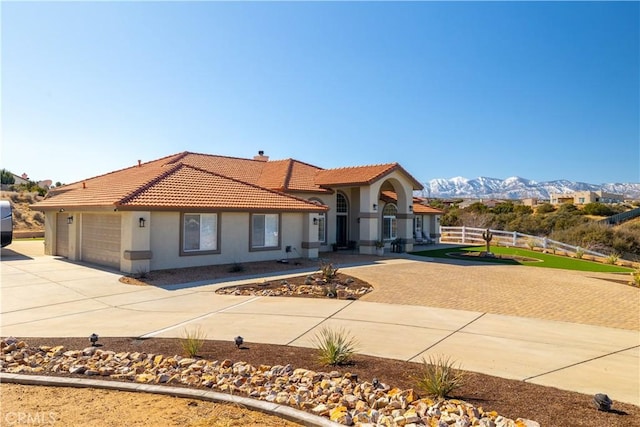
x=139, y=163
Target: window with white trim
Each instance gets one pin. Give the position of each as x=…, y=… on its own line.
x=264, y=231
x=199, y=232
x=389, y=222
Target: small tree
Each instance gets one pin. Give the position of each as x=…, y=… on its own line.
x=6, y=177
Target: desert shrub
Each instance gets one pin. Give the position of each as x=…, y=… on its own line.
x=335, y=346
x=626, y=241
x=585, y=235
x=192, y=341
x=328, y=271
x=503, y=207
x=635, y=277
x=568, y=208
x=531, y=243
x=579, y=253
x=438, y=376
x=523, y=210
x=17, y=214
x=451, y=218
x=612, y=258
x=477, y=207
x=545, y=208
x=599, y=209
x=528, y=224
x=38, y=217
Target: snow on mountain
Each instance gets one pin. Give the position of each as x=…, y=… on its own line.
x=517, y=188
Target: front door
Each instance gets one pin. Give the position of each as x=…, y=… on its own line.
x=342, y=234
x=342, y=215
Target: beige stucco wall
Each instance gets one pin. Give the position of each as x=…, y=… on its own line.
x=234, y=241
x=50, y=232
x=134, y=238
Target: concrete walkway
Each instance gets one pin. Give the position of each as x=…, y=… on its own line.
x=46, y=296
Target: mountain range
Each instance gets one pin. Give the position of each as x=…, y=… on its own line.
x=517, y=188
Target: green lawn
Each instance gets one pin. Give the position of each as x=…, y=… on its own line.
x=544, y=260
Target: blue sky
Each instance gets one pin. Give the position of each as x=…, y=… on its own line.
x=538, y=90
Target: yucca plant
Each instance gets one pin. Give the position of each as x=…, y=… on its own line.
x=438, y=376
x=192, y=341
x=335, y=346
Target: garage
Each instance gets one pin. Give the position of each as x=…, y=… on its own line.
x=101, y=239
x=62, y=235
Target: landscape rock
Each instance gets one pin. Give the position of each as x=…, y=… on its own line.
x=340, y=397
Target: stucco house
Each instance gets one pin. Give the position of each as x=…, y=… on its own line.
x=584, y=197
x=191, y=209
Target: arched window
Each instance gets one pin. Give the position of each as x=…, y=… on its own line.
x=341, y=203
x=389, y=222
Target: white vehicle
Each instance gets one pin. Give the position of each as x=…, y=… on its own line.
x=6, y=221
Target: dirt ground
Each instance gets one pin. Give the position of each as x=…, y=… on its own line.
x=69, y=407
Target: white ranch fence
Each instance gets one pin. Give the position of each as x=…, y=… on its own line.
x=471, y=235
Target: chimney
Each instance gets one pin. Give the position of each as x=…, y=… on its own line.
x=139, y=163
x=261, y=157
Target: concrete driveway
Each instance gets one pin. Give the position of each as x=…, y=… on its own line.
x=45, y=296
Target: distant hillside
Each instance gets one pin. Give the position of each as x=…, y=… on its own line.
x=24, y=219
x=517, y=188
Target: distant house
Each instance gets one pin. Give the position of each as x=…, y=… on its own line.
x=531, y=201
x=46, y=183
x=192, y=209
x=584, y=197
x=20, y=179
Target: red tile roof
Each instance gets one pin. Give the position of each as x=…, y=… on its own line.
x=189, y=187
x=418, y=207
x=209, y=181
x=360, y=175
x=422, y=209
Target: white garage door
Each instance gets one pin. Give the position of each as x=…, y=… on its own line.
x=101, y=239
x=62, y=235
